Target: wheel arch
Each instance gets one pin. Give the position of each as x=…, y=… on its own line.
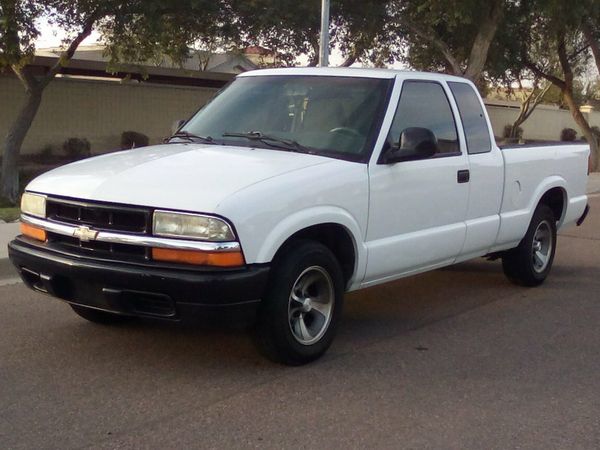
x=552, y=192
x=556, y=199
x=337, y=230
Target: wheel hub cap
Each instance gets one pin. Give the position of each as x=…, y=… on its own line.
x=310, y=305
x=542, y=247
x=306, y=305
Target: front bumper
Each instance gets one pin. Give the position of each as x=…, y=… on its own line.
x=150, y=290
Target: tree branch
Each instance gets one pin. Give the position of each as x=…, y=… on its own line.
x=540, y=73
x=67, y=55
x=351, y=58
x=438, y=43
x=563, y=59
x=483, y=40
x=537, y=99
x=26, y=77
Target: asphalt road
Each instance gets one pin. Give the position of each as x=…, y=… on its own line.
x=456, y=358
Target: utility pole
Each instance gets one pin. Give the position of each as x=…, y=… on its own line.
x=324, y=44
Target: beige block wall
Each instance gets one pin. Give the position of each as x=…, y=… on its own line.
x=545, y=123
x=99, y=111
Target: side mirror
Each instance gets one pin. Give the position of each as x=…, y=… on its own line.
x=177, y=125
x=415, y=143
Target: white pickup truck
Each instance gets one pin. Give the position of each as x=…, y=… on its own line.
x=289, y=188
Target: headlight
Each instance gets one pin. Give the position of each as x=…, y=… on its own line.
x=33, y=204
x=191, y=226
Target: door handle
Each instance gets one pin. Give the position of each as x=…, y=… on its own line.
x=463, y=176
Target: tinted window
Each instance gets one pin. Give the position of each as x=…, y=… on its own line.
x=331, y=116
x=425, y=105
x=473, y=118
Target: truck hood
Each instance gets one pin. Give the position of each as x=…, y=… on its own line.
x=190, y=177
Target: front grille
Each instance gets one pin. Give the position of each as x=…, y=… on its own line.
x=99, y=216
x=106, y=250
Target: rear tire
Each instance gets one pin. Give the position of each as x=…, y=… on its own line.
x=101, y=317
x=300, y=312
x=529, y=264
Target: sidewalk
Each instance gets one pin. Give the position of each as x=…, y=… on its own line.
x=9, y=230
x=594, y=183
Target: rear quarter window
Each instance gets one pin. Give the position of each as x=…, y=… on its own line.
x=473, y=118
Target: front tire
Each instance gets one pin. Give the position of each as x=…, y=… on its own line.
x=529, y=264
x=101, y=317
x=300, y=312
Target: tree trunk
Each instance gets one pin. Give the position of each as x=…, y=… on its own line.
x=585, y=128
x=14, y=140
x=34, y=88
x=483, y=40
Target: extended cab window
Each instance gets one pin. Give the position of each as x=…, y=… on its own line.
x=473, y=118
x=424, y=104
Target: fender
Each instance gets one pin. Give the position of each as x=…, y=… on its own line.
x=514, y=223
x=554, y=181
x=318, y=215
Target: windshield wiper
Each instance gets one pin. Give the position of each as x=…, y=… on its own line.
x=288, y=144
x=191, y=137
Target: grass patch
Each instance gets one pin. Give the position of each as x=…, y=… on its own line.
x=9, y=214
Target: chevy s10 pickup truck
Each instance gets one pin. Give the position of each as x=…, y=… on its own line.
x=290, y=188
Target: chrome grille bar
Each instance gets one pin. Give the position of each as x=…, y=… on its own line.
x=131, y=239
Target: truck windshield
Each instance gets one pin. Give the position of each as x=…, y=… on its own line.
x=323, y=115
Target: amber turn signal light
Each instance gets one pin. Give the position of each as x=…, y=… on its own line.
x=220, y=259
x=33, y=232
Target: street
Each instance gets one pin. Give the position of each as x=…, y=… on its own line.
x=456, y=358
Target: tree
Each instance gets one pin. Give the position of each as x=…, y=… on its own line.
x=136, y=28
x=591, y=29
x=554, y=47
x=448, y=36
x=529, y=102
x=292, y=29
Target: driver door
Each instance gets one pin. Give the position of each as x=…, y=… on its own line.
x=418, y=206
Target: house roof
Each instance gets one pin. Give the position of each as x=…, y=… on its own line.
x=146, y=74
x=225, y=62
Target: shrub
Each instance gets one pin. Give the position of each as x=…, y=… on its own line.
x=133, y=139
x=47, y=151
x=508, y=129
x=568, y=134
x=77, y=148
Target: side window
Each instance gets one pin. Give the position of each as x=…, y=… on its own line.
x=424, y=104
x=473, y=118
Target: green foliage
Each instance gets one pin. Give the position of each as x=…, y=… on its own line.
x=9, y=214
x=568, y=135
x=427, y=26
x=18, y=31
x=77, y=148
x=133, y=139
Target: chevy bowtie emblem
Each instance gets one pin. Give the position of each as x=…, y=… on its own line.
x=85, y=234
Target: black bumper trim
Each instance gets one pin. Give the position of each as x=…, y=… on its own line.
x=168, y=293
